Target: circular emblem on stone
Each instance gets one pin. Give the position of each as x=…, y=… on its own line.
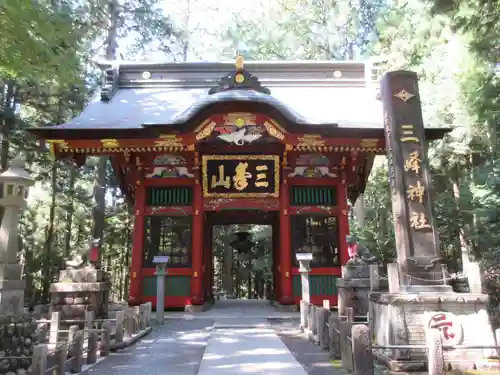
x=449, y=326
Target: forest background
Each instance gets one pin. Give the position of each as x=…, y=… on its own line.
x=48, y=71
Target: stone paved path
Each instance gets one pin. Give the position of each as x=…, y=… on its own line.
x=246, y=346
x=174, y=349
x=309, y=355
x=234, y=337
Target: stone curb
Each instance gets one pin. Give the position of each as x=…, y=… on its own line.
x=131, y=340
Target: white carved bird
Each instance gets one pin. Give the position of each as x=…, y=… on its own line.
x=239, y=137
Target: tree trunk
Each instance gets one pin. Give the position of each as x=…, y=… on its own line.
x=70, y=210
x=100, y=185
x=128, y=254
x=47, y=263
x=465, y=246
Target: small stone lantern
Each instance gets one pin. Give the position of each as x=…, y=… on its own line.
x=15, y=182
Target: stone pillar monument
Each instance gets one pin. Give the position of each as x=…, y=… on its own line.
x=419, y=298
x=15, y=183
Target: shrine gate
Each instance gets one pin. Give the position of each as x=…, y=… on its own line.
x=193, y=145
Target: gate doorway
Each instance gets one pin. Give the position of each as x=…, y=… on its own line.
x=243, y=254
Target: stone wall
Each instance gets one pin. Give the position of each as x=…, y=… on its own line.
x=17, y=338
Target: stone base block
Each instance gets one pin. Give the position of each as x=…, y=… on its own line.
x=285, y=308
x=81, y=276
x=462, y=319
x=71, y=311
x=10, y=271
x=198, y=308
x=79, y=287
x=11, y=301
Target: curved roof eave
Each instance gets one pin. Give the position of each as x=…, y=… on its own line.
x=241, y=98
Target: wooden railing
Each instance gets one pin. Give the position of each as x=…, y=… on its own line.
x=60, y=350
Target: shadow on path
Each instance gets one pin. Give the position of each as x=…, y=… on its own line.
x=314, y=360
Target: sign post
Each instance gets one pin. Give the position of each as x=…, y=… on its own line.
x=161, y=271
x=417, y=240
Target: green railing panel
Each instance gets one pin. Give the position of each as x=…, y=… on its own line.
x=175, y=286
x=320, y=285
x=314, y=196
x=169, y=196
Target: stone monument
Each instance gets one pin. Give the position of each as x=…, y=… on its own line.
x=82, y=286
x=15, y=183
x=418, y=297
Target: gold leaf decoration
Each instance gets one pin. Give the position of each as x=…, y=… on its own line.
x=110, y=143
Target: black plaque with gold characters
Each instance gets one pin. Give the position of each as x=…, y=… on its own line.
x=416, y=238
x=241, y=176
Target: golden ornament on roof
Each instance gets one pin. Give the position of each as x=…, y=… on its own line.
x=239, y=63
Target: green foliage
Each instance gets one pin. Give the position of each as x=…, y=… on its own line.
x=303, y=29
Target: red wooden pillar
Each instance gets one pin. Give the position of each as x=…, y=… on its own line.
x=285, y=252
x=197, y=244
x=207, y=262
x=343, y=219
x=137, y=245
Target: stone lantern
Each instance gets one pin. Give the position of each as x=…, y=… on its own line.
x=15, y=182
x=304, y=269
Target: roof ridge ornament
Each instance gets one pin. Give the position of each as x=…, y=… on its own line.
x=239, y=79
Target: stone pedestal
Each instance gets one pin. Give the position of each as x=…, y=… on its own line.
x=78, y=291
x=353, y=289
x=403, y=317
x=11, y=289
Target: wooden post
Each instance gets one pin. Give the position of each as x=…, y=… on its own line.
x=136, y=314
x=77, y=353
x=284, y=251
x=341, y=303
x=323, y=335
x=142, y=317
x=374, y=279
x=137, y=243
x=39, y=359
x=197, y=297
x=71, y=335
x=343, y=218
x=334, y=323
x=345, y=347
x=149, y=309
x=55, y=320
x=92, y=347
x=89, y=318
x=393, y=277
x=62, y=356
x=474, y=276
x=120, y=321
x=128, y=330
x=105, y=339
x=362, y=350
x=314, y=319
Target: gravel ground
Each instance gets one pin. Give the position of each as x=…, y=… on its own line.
x=314, y=360
x=175, y=348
